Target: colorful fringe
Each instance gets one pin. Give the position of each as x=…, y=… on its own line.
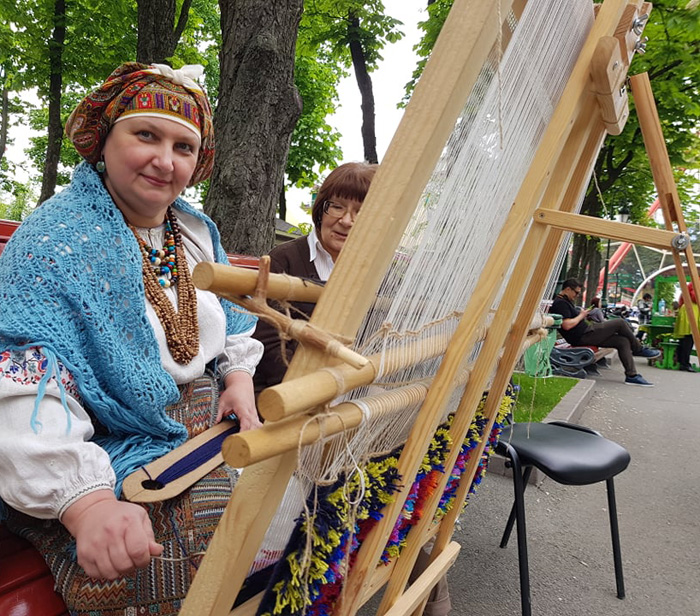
x=336, y=531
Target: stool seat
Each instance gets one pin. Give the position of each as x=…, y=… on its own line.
x=570, y=457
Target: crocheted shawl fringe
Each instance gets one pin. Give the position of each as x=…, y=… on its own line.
x=71, y=282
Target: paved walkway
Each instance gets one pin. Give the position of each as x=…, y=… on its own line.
x=571, y=569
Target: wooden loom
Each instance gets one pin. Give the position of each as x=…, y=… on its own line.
x=593, y=104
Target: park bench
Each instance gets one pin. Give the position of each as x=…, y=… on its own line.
x=577, y=361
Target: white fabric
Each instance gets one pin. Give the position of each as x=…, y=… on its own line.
x=186, y=76
x=42, y=474
x=319, y=256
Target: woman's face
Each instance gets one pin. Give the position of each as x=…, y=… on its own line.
x=149, y=161
x=336, y=222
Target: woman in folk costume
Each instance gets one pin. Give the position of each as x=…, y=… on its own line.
x=111, y=357
x=683, y=332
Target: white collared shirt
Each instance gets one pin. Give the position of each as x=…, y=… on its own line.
x=319, y=256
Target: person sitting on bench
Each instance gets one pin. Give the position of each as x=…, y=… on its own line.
x=613, y=333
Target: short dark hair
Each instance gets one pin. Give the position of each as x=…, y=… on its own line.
x=646, y=296
x=348, y=181
x=572, y=283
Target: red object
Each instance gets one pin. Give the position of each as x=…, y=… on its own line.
x=8, y=227
x=622, y=251
x=26, y=584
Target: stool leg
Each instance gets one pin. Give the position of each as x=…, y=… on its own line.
x=615, y=533
x=511, y=517
x=518, y=513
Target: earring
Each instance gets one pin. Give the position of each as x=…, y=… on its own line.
x=100, y=166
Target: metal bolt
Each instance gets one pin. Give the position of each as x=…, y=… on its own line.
x=640, y=46
x=638, y=24
x=680, y=242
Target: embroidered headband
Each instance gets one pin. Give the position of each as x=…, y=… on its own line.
x=155, y=90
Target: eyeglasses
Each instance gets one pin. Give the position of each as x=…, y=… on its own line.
x=337, y=210
x=577, y=291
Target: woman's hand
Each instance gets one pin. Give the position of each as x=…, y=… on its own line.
x=239, y=398
x=113, y=537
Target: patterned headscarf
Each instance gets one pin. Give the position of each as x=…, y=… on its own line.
x=139, y=88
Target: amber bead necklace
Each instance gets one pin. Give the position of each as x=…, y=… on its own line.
x=167, y=267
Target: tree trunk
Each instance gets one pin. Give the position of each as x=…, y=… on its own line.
x=157, y=34
x=282, y=207
x=585, y=265
x=55, y=128
x=592, y=255
x=364, y=83
x=257, y=110
x=4, y=120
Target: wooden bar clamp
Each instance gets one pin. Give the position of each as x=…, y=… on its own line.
x=608, y=74
x=630, y=28
x=610, y=64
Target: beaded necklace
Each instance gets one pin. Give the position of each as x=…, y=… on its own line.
x=162, y=269
x=163, y=260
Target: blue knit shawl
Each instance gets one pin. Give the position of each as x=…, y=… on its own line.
x=71, y=282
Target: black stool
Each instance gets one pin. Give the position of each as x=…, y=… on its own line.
x=571, y=455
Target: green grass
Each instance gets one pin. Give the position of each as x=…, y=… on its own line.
x=547, y=394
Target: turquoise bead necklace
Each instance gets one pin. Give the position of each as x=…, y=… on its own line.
x=163, y=260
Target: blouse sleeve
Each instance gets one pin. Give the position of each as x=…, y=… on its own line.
x=46, y=461
x=242, y=353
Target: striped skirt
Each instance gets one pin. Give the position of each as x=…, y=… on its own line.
x=184, y=525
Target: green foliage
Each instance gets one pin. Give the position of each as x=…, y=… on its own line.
x=38, y=118
x=100, y=35
x=538, y=396
x=21, y=202
x=672, y=63
x=314, y=146
x=322, y=60
x=200, y=43
x=437, y=14
x=303, y=227
x=328, y=23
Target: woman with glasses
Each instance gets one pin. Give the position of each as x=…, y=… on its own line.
x=333, y=213
x=312, y=257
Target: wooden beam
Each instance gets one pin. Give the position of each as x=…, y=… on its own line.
x=666, y=187
x=425, y=583
x=223, y=279
x=468, y=35
x=589, y=225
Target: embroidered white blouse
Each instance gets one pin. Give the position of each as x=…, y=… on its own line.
x=43, y=474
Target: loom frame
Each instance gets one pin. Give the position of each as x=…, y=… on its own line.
x=556, y=178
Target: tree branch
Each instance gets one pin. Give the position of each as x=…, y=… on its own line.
x=181, y=23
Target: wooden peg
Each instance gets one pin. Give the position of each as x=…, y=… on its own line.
x=263, y=278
